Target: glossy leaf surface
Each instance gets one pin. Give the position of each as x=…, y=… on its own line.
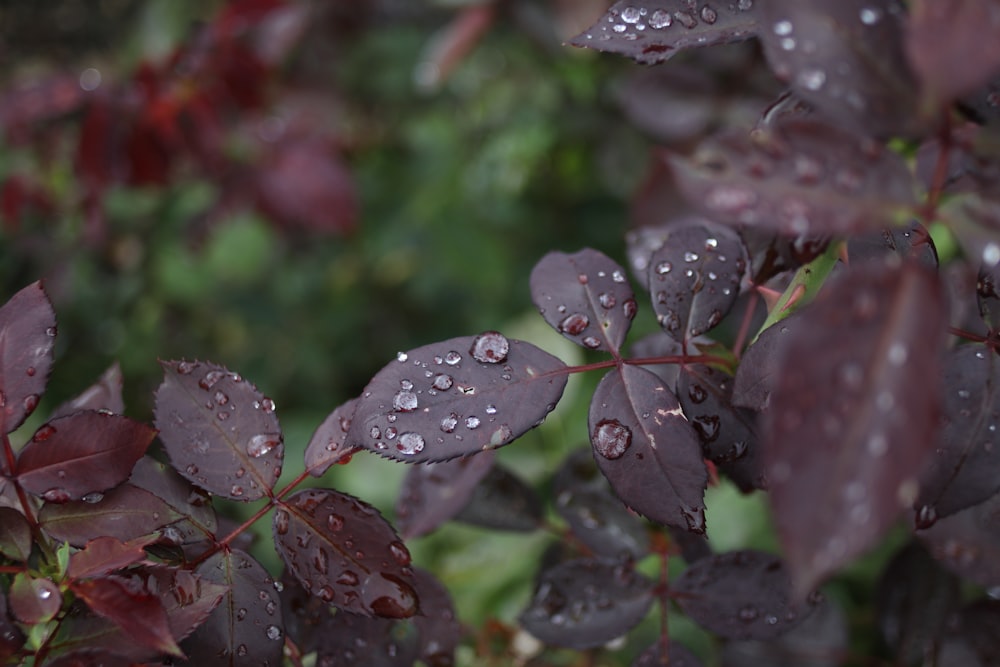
x=456, y=397
x=359, y=641
x=139, y=613
x=104, y=555
x=246, y=627
x=740, y=595
x=585, y=603
x=83, y=453
x=968, y=542
x=342, y=551
x=327, y=445
x=433, y=493
x=15, y=535
x=125, y=513
x=186, y=500
x=651, y=31
x=219, y=431
x=585, y=296
x=647, y=449
x=801, y=177
x=850, y=428
x=694, y=278
x=27, y=336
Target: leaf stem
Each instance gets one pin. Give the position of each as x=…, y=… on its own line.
x=804, y=286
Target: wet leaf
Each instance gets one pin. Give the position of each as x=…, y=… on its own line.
x=740, y=595
x=694, y=278
x=821, y=640
x=327, y=445
x=962, y=470
x=219, y=431
x=11, y=637
x=199, y=522
x=657, y=345
x=90, y=657
x=910, y=242
x=349, y=640
x=844, y=58
x=801, y=177
x=15, y=535
x=32, y=599
x=914, y=598
x=438, y=628
x=968, y=542
x=977, y=627
x=866, y=411
x=104, y=555
x=584, y=296
x=647, y=449
x=456, y=397
x=245, y=628
x=502, y=501
x=651, y=31
x=27, y=335
x=952, y=46
x=305, y=615
x=761, y=365
x=342, y=551
x=433, y=493
x=105, y=394
x=139, y=613
x=677, y=655
x=125, y=513
x=587, y=602
x=83, y=453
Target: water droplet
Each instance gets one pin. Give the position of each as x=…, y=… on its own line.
x=574, y=324
x=93, y=497
x=241, y=650
x=191, y=469
x=611, y=438
x=630, y=308
x=783, y=28
x=348, y=578
x=404, y=401
x=491, y=409
x=30, y=402
x=375, y=432
x=452, y=358
x=262, y=443
x=709, y=15
x=326, y=594
x=878, y=445
x=619, y=27
x=664, y=267
x=410, y=443
x=399, y=553
x=813, y=79
x=991, y=254
x=388, y=596
x=697, y=393
x=52, y=331
x=660, y=19
x=236, y=491
x=281, y=522
x=321, y=561
x=690, y=256
x=449, y=423
x=56, y=495
x=630, y=15
x=335, y=522
x=43, y=433
x=606, y=300
x=685, y=19
x=926, y=517
x=443, y=382
x=223, y=416
x=749, y=613
x=221, y=398
x=490, y=347
x=267, y=405
x=870, y=15
x=590, y=342
x=695, y=519
x=401, y=356
x=273, y=632
x=472, y=422
x=210, y=379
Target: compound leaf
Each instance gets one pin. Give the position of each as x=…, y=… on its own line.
x=126, y=513
x=139, y=613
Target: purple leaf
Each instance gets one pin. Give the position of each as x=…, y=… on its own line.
x=801, y=177
x=126, y=512
x=342, y=551
x=438, y=628
x=694, y=278
x=740, y=595
x=910, y=242
x=646, y=448
x=657, y=345
x=27, y=335
x=586, y=603
x=651, y=31
x=139, y=613
x=245, y=628
x=585, y=297
x=182, y=497
x=219, y=431
x=327, y=445
x=984, y=104
x=962, y=470
x=761, y=366
x=32, y=599
x=15, y=535
x=348, y=640
x=953, y=46
x=502, y=501
x=845, y=59
x=104, y=555
x=105, y=395
x=968, y=542
x=83, y=453
x=867, y=407
x=676, y=654
x=819, y=641
x=433, y=493
x=456, y=397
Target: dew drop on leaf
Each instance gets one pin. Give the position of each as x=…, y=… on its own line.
x=404, y=401
x=273, y=632
x=335, y=522
x=452, y=358
x=210, y=379
x=574, y=324
x=449, y=423
x=56, y=495
x=348, y=578
x=472, y=422
x=262, y=443
x=611, y=438
x=490, y=347
x=443, y=382
x=281, y=522
x=410, y=443
x=400, y=553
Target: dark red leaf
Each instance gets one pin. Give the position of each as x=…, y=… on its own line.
x=586, y=603
x=845, y=59
x=433, y=493
x=139, y=613
x=349, y=640
x=187, y=597
x=220, y=432
x=646, y=448
x=11, y=637
x=968, y=542
x=245, y=629
x=105, y=394
x=655, y=345
x=104, y=555
x=34, y=600
x=761, y=366
x=953, y=46
x=502, y=501
x=438, y=628
x=80, y=454
x=977, y=626
x=585, y=297
x=819, y=641
x=909, y=242
x=456, y=397
x=199, y=522
x=15, y=535
x=694, y=278
x=867, y=406
x=327, y=445
x=740, y=595
x=27, y=334
x=304, y=614
x=963, y=470
x=801, y=176
x=651, y=31
x=304, y=185
x=984, y=104
x=914, y=598
x=675, y=656
x=126, y=513
x=343, y=551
